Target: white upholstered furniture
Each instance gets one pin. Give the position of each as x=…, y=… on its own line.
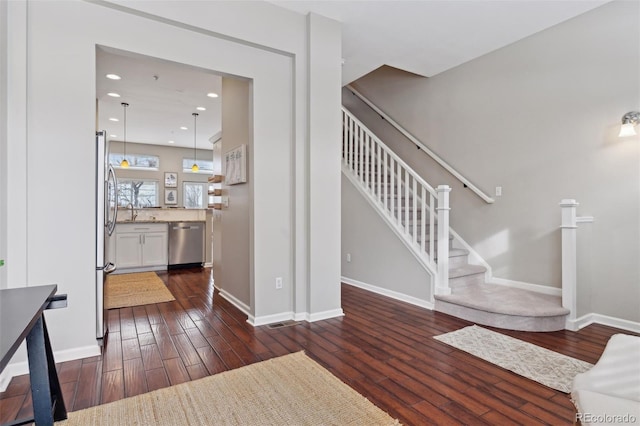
x=609, y=393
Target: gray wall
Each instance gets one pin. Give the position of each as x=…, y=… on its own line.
x=539, y=118
x=170, y=161
x=378, y=257
x=234, y=272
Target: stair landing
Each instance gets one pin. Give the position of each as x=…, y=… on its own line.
x=504, y=307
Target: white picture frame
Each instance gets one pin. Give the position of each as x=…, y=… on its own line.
x=170, y=179
x=235, y=165
x=170, y=196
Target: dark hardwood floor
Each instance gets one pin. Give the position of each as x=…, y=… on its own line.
x=382, y=348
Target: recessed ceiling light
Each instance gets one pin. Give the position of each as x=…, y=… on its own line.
x=113, y=136
x=113, y=119
x=201, y=108
x=113, y=95
x=172, y=141
x=183, y=128
x=212, y=95
x=113, y=76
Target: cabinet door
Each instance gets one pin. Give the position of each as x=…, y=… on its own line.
x=154, y=249
x=128, y=250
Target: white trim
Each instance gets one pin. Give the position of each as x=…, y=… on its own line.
x=19, y=368
x=553, y=291
x=208, y=265
x=236, y=302
x=301, y=316
x=389, y=293
x=270, y=319
x=319, y=316
x=594, y=318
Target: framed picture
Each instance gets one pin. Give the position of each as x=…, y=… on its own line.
x=171, y=196
x=170, y=179
x=235, y=165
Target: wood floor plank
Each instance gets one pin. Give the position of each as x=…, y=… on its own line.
x=157, y=379
x=89, y=387
x=135, y=381
x=112, y=386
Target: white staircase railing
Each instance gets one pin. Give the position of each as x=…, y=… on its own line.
x=467, y=183
x=408, y=203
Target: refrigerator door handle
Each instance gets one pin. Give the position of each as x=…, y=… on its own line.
x=111, y=177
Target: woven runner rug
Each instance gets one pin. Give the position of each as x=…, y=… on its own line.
x=141, y=288
x=533, y=362
x=289, y=390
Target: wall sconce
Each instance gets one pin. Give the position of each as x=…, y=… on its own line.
x=629, y=121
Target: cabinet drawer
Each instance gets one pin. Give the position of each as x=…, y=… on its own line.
x=123, y=228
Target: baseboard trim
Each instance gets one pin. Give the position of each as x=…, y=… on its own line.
x=389, y=293
x=270, y=319
x=319, y=316
x=19, y=368
x=593, y=318
x=235, y=302
x=208, y=265
x=553, y=291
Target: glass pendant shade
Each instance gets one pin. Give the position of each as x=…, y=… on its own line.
x=124, y=163
x=195, y=168
x=627, y=130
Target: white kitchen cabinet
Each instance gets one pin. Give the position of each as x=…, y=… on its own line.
x=141, y=246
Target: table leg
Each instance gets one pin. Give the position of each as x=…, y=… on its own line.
x=48, y=403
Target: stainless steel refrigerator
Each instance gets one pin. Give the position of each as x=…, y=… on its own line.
x=106, y=214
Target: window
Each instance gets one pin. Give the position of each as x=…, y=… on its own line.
x=205, y=166
x=194, y=195
x=136, y=161
x=140, y=193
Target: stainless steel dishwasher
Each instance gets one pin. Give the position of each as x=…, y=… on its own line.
x=186, y=244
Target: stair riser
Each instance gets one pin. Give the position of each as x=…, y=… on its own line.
x=469, y=280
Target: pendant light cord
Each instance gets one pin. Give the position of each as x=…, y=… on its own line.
x=125, y=105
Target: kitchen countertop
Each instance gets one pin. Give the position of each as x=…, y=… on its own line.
x=133, y=222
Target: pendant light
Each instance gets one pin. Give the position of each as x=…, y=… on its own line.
x=124, y=163
x=195, y=167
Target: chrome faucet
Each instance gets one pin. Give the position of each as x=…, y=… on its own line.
x=133, y=211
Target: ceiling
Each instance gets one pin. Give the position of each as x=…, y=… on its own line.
x=162, y=97
x=428, y=37
x=423, y=37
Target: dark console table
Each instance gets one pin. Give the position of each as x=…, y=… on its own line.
x=21, y=317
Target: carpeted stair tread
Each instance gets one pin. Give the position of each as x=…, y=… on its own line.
x=499, y=299
x=466, y=270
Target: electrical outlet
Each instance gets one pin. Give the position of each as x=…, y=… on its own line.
x=348, y=257
x=278, y=283
x=498, y=191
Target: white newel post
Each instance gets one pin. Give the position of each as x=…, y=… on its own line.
x=569, y=259
x=442, y=281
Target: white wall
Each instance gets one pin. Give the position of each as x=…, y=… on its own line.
x=53, y=124
x=539, y=118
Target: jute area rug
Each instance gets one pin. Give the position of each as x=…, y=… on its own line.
x=533, y=362
x=289, y=390
x=141, y=288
